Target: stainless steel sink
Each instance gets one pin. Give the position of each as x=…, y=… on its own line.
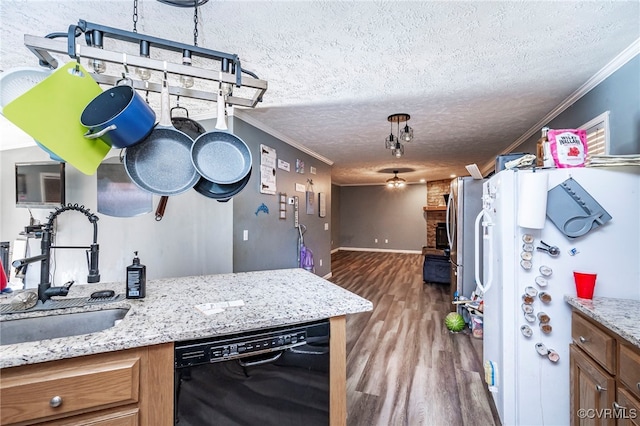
x=52, y=326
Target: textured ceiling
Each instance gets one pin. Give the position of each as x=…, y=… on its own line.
x=474, y=75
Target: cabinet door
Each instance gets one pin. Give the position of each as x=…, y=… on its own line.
x=629, y=369
x=592, y=391
x=627, y=409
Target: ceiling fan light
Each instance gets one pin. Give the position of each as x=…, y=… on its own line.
x=395, y=181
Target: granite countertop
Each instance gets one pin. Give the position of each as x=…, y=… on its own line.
x=168, y=313
x=618, y=315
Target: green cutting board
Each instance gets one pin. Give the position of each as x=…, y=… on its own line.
x=50, y=113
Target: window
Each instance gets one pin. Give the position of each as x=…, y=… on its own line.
x=597, y=135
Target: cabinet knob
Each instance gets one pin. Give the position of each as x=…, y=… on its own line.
x=600, y=388
x=583, y=339
x=617, y=406
x=55, y=402
x=638, y=385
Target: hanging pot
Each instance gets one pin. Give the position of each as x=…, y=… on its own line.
x=161, y=163
x=185, y=124
x=119, y=116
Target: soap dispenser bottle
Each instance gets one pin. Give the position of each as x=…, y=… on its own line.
x=136, y=279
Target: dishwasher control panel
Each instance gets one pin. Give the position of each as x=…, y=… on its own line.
x=190, y=354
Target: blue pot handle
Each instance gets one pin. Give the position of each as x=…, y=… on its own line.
x=96, y=135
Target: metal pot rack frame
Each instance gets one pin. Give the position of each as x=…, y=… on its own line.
x=230, y=71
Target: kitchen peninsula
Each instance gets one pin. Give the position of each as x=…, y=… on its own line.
x=187, y=308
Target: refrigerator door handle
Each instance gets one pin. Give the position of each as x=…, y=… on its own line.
x=448, y=223
x=485, y=225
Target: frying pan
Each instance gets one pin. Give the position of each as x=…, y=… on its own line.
x=220, y=156
x=221, y=192
x=192, y=128
x=161, y=163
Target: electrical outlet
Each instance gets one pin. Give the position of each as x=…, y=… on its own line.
x=375, y=240
x=245, y=235
x=386, y=241
x=326, y=226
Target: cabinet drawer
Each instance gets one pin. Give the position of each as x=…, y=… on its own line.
x=629, y=369
x=81, y=385
x=594, y=341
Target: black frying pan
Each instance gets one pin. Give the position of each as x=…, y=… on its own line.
x=161, y=163
x=221, y=192
x=186, y=125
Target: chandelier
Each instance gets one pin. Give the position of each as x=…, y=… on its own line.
x=396, y=142
x=395, y=181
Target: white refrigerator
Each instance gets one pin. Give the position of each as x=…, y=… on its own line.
x=591, y=222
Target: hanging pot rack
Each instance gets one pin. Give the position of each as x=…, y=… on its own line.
x=230, y=70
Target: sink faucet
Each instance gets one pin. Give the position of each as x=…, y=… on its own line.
x=45, y=291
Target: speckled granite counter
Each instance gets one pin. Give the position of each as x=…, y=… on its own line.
x=618, y=315
x=169, y=313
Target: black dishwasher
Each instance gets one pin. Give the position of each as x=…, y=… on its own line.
x=277, y=376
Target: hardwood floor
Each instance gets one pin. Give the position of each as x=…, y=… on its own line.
x=403, y=366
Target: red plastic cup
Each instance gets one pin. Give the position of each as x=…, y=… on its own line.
x=585, y=284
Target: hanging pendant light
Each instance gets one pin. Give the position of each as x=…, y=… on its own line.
x=394, y=142
x=395, y=181
x=398, y=150
x=406, y=135
x=390, y=141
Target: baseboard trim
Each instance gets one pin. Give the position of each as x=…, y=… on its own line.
x=379, y=250
x=329, y=275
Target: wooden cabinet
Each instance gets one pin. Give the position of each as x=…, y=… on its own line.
x=131, y=387
x=605, y=376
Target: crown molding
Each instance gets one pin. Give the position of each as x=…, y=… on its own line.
x=276, y=134
x=615, y=64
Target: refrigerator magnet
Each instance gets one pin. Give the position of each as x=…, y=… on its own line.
x=542, y=349
x=546, y=271
x=527, y=238
x=544, y=297
x=541, y=281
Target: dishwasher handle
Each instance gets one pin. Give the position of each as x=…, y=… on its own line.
x=260, y=362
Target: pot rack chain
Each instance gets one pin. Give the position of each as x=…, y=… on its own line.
x=230, y=68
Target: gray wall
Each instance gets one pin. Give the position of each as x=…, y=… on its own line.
x=193, y=238
x=273, y=243
x=335, y=217
x=619, y=94
x=370, y=212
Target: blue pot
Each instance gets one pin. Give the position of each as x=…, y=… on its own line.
x=119, y=116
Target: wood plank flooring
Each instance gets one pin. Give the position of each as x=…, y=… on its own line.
x=403, y=366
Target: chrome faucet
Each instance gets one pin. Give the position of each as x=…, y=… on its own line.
x=45, y=291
